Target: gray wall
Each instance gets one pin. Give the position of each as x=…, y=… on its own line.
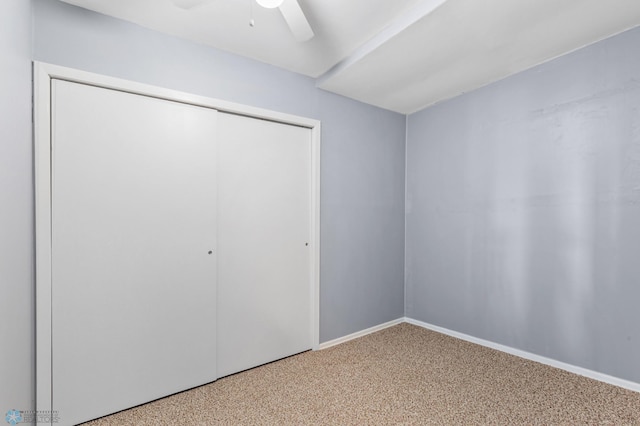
x=523, y=210
x=16, y=209
x=363, y=164
x=362, y=217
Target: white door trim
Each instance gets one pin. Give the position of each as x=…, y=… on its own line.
x=43, y=74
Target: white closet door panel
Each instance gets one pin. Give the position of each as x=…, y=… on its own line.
x=133, y=219
x=264, y=288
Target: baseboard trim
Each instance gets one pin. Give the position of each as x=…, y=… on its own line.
x=601, y=377
x=361, y=333
x=530, y=356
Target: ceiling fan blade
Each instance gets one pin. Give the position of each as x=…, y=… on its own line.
x=188, y=4
x=296, y=20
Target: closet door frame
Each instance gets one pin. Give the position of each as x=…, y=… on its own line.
x=43, y=74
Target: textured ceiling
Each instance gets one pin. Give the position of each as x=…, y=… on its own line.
x=401, y=55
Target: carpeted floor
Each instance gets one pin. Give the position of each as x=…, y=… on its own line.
x=401, y=375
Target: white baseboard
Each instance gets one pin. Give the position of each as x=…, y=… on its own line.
x=361, y=333
x=497, y=346
x=532, y=357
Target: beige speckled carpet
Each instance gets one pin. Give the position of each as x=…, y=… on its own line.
x=401, y=375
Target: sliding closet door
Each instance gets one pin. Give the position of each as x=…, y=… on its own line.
x=133, y=249
x=264, y=288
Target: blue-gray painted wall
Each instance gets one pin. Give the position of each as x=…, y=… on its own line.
x=362, y=159
x=523, y=210
x=17, y=342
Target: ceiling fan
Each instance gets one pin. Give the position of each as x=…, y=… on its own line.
x=290, y=9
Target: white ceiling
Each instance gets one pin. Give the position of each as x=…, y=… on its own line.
x=401, y=55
